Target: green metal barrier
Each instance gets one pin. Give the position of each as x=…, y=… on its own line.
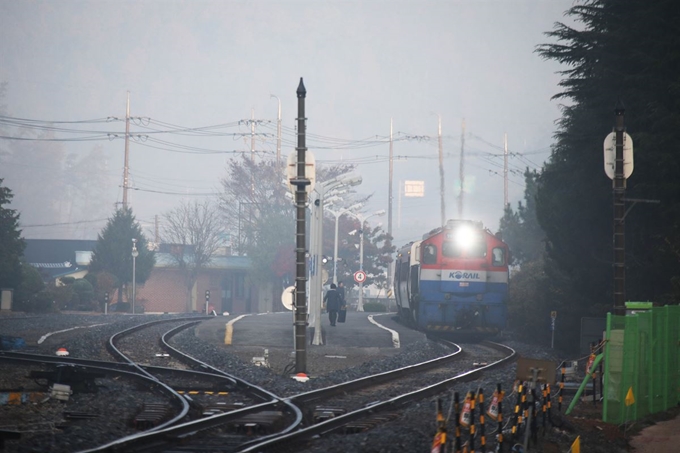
x=642, y=353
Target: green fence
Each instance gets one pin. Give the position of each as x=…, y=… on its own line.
x=642, y=354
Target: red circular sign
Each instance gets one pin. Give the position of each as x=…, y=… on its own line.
x=360, y=276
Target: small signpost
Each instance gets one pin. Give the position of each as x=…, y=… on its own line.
x=360, y=276
x=553, y=316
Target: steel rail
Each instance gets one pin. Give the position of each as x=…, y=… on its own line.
x=396, y=403
x=160, y=439
x=357, y=384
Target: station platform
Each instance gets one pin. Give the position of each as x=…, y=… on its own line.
x=364, y=336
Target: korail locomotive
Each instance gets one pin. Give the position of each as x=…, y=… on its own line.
x=454, y=280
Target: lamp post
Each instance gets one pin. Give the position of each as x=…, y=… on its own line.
x=337, y=215
x=135, y=254
x=316, y=245
x=362, y=219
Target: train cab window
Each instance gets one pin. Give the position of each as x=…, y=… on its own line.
x=497, y=256
x=429, y=254
x=453, y=249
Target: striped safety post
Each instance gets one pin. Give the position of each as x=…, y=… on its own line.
x=482, y=428
x=593, y=373
x=549, y=403
x=501, y=393
x=473, y=398
x=534, y=418
x=517, y=419
x=525, y=405
x=544, y=404
x=559, y=395
x=456, y=410
x=439, y=443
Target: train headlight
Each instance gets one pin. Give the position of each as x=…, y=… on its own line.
x=465, y=236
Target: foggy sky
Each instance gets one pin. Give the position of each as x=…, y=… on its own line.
x=201, y=63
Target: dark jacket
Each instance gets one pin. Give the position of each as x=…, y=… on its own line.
x=332, y=300
x=341, y=293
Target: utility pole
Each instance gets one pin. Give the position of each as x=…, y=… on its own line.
x=442, y=191
x=505, y=171
x=461, y=174
x=127, y=153
x=252, y=135
x=390, y=275
x=390, y=191
x=278, y=133
x=300, y=245
x=619, y=215
x=156, y=236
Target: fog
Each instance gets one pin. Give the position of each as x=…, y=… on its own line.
x=203, y=63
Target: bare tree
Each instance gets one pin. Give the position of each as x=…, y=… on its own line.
x=194, y=231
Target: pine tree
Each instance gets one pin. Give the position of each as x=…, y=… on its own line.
x=11, y=244
x=624, y=50
x=113, y=251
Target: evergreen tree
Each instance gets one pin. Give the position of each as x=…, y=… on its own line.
x=625, y=50
x=11, y=244
x=520, y=229
x=113, y=251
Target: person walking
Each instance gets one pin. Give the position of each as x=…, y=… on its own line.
x=332, y=303
x=342, y=313
x=341, y=292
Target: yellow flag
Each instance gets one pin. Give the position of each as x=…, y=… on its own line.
x=630, y=399
x=576, y=446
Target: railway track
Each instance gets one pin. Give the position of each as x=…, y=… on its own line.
x=266, y=422
x=380, y=411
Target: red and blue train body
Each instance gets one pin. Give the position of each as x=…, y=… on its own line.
x=454, y=280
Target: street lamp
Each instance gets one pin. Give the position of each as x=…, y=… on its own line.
x=135, y=254
x=337, y=215
x=362, y=219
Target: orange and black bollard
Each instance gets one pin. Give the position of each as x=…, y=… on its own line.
x=517, y=419
x=482, y=427
x=525, y=404
x=544, y=405
x=534, y=419
x=439, y=443
x=456, y=410
x=549, y=404
x=501, y=393
x=473, y=399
